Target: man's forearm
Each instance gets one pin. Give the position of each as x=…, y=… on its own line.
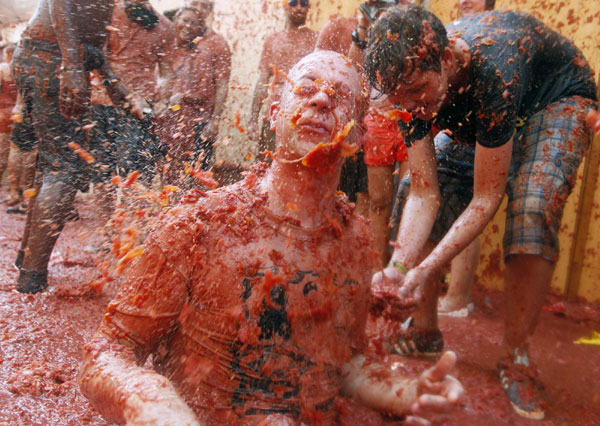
x=61, y=12
x=121, y=390
x=377, y=387
x=116, y=89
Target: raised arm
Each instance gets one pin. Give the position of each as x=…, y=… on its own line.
x=74, y=85
x=144, y=312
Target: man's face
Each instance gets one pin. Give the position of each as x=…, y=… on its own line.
x=297, y=11
x=317, y=102
x=422, y=93
x=470, y=7
x=187, y=27
x=203, y=7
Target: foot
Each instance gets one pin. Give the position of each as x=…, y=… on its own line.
x=419, y=342
x=32, y=281
x=454, y=308
x=519, y=381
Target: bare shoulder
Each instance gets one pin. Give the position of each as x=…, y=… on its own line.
x=165, y=27
x=219, y=41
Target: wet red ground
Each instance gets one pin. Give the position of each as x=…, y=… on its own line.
x=41, y=337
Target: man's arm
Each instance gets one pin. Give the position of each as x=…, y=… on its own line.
x=144, y=312
x=222, y=72
x=121, y=95
x=74, y=85
x=261, y=90
x=420, y=209
x=378, y=387
x=490, y=175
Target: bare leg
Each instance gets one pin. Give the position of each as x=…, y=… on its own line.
x=462, y=276
x=48, y=216
x=526, y=281
x=4, y=148
x=362, y=203
x=425, y=317
x=13, y=172
x=381, y=195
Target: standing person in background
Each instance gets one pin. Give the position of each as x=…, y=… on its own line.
x=336, y=35
x=52, y=65
x=8, y=99
x=196, y=90
x=384, y=148
x=457, y=301
x=20, y=169
x=138, y=48
x=281, y=51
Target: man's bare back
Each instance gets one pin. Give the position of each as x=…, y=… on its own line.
x=336, y=35
x=86, y=20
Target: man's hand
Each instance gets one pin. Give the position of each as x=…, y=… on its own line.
x=593, y=118
x=210, y=131
x=438, y=392
x=159, y=108
x=74, y=95
x=176, y=99
x=138, y=106
x=387, y=298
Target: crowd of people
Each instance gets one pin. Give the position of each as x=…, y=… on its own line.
x=253, y=298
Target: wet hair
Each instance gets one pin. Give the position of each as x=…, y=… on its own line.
x=404, y=39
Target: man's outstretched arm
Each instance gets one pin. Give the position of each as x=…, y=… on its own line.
x=433, y=393
x=145, y=310
x=124, y=392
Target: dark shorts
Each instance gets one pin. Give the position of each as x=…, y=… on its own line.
x=353, y=179
x=455, y=176
x=121, y=143
x=547, y=152
x=36, y=67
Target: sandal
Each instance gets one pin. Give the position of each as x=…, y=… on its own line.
x=419, y=342
x=521, y=386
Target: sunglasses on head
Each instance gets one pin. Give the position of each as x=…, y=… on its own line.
x=294, y=3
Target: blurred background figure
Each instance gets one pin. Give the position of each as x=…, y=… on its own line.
x=457, y=301
x=281, y=51
x=196, y=90
x=8, y=99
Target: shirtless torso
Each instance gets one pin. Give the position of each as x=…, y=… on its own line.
x=336, y=35
x=134, y=52
x=280, y=52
